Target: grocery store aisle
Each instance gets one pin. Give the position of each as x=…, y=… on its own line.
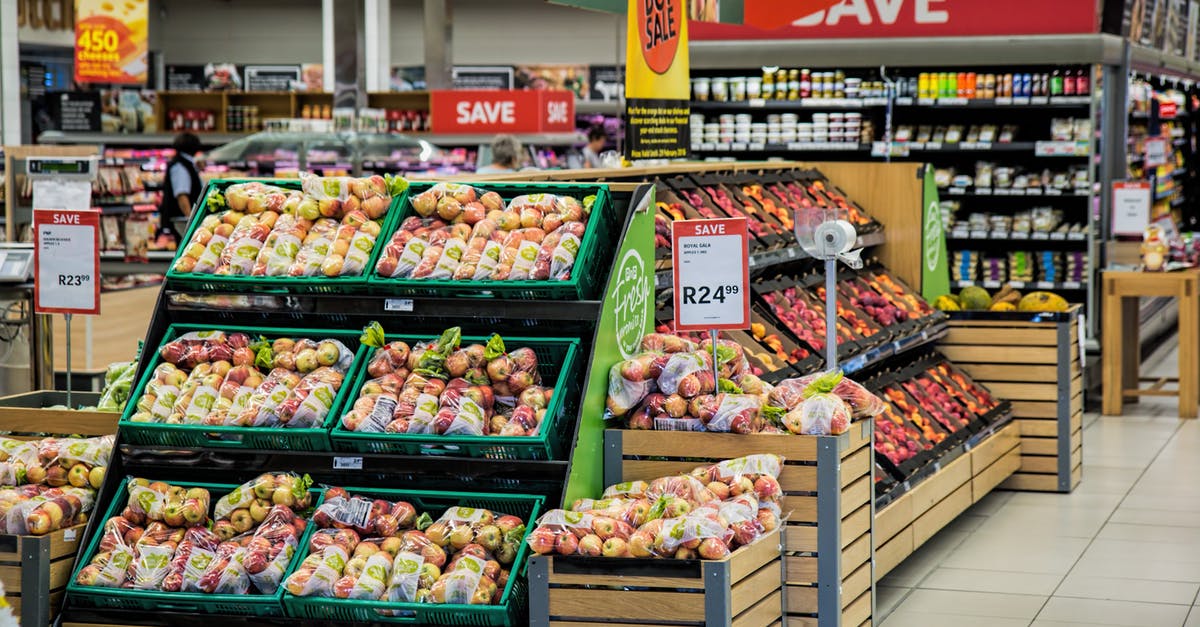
x=1123, y=549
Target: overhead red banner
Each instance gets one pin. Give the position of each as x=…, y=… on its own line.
x=832, y=19
x=492, y=111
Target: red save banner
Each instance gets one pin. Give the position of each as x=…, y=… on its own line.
x=710, y=264
x=783, y=19
x=66, y=261
x=490, y=111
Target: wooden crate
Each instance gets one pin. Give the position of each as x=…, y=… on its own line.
x=827, y=486
x=35, y=571
x=976, y=468
x=742, y=590
x=25, y=413
x=1034, y=361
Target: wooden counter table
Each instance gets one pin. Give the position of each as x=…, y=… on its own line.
x=1121, y=359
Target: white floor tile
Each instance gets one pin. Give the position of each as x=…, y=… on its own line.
x=887, y=598
x=1087, y=586
x=1193, y=619
x=1018, y=606
x=1155, y=517
x=907, y=618
x=977, y=580
x=1096, y=612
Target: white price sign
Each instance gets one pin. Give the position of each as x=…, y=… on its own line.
x=1130, y=207
x=66, y=257
x=712, y=276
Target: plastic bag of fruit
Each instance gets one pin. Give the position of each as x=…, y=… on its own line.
x=152, y=565
x=19, y=456
x=311, y=400
x=197, y=347
x=107, y=569
x=863, y=403
x=459, y=526
x=369, y=583
x=287, y=489
x=270, y=550
x=753, y=474
x=629, y=382
x=410, y=575
x=819, y=414
x=465, y=585
x=51, y=510
x=366, y=516
x=191, y=559
x=318, y=572
x=226, y=574
x=726, y=413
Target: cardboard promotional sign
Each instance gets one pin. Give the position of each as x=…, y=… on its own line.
x=710, y=261
x=111, y=41
x=66, y=261
x=657, y=85
x=491, y=111
x=835, y=19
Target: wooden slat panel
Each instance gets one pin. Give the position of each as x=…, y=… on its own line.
x=892, y=552
x=1031, y=482
x=1039, y=446
x=715, y=445
x=932, y=490
x=766, y=613
x=940, y=515
x=992, y=448
x=856, y=554
x=553, y=623
x=798, y=478
x=799, y=508
x=801, y=599
x=626, y=604
x=1022, y=335
x=859, y=436
x=856, y=583
x=800, y=570
x=801, y=621
x=994, y=475
x=645, y=470
x=894, y=517
x=1046, y=428
x=587, y=579
x=856, y=494
x=1025, y=391
x=60, y=572
x=752, y=589
x=801, y=538
x=989, y=373
x=999, y=354
x=856, y=524
x=1034, y=409
x=858, y=611
x=854, y=465
x=1039, y=464
x=1076, y=475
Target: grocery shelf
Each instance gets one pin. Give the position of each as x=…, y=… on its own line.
x=881, y=353
x=736, y=147
x=1020, y=285
x=996, y=103
x=787, y=105
x=132, y=139
x=1012, y=236
x=1035, y=192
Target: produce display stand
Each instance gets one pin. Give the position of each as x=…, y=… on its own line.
x=958, y=480
x=827, y=483
x=411, y=314
x=1034, y=361
x=35, y=571
x=742, y=589
x=20, y=413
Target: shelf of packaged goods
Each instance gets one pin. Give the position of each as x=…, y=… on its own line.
x=752, y=104
x=664, y=278
x=1165, y=194
x=1013, y=236
x=1035, y=192
x=529, y=139
x=132, y=139
x=744, y=147
x=1020, y=285
x=996, y=103
x=153, y=255
x=962, y=146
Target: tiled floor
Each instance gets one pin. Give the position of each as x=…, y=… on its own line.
x=1123, y=549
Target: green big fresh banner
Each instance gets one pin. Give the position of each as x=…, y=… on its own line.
x=935, y=267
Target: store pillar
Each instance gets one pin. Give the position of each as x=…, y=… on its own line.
x=439, y=44
x=378, y=31
x=10, y=81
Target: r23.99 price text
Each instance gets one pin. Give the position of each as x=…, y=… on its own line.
x=74, y=280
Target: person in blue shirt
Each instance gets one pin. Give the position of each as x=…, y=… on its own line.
x=181, y=186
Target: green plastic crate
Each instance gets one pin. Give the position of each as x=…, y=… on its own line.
x=276, y=284
x=513, y=601
x=190, y=602
x=587, y=275
x=234, y=437
x=558, y=361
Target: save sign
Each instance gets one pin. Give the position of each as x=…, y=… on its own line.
x=66, y=261
x=712, y=275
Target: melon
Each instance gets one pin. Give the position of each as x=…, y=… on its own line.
x=1042, y=301
x=975, y=298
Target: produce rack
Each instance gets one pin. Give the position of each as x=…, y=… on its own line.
x=181, y=304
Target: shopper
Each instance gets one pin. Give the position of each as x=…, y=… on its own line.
x=596, y=138
x=181, y=186
x=506, y=156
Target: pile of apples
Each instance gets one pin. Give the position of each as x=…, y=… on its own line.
x=445, y=388
x=216, y=378
x=462, y=233
x=804, y=317
x=328, y=228
x=935, y=400
x=898, y=293
x=705, y=514
x=977, y=400
x=874, y=304
x=379, y=550
x=55, y=462
x=38, y=509
x=164, y=540
x=900, y=440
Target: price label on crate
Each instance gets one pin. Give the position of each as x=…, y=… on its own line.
x=66, y=261
x=712, y=274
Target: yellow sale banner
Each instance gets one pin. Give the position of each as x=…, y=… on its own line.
x=111, y=41
x=657, y=84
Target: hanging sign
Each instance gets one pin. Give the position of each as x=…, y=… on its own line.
x=1130, y=207
x=66, y=261
x=657, y=85
x=712, y=276
x=111, y=41
x=1156, y=152
x=496, y=111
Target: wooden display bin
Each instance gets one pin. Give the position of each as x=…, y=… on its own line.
x=25, y=413
x=742, y=589
x=827, y=488
x=35, y=570
x=1032, y=360
x=970, y=472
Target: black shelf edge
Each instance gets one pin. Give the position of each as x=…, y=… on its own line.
x=878, y=354
x=989, y=192
x=957, y=235
x=1065, y=286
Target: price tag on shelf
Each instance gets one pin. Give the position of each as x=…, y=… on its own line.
x=1003, y=102
x=991, y=284
x=69, y=535
x=1050, y=191
x=1024, y=100
x=712, y=276
x=1039, y=100
x=1017, y=285
x=757, y=103
x=1020, y=235
x=1072, y=285
x=398, y=304
x=979, y=234
x=1156, y=152
x=66, y=256
x=758, y=146
x=347, y=463
x=1045, y=285
x=1042, y=235
x=738, y=147
x=1058, y=237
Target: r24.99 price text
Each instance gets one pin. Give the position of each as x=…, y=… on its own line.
x=74, y=280
x=706, y=295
